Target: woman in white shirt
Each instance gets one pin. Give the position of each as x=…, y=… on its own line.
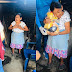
x=57, y=43
x=17, y=37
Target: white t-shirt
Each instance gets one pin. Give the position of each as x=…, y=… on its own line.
x=17, y=30
x=64, y=18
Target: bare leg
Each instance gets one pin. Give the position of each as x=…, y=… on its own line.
x=50, y=58
x=19, y=51
x=13, y=50
x=62, y=65
x=62, y=61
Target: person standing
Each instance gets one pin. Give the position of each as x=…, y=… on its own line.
x=57, y=42
x=17, y=37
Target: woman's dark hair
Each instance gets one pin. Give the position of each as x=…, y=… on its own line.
x=19, y=14
x=55, y=5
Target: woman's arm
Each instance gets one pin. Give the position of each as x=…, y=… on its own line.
x=10, y=27
x=66, y=31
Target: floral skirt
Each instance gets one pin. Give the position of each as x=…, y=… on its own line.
x=58, y=53
x=17, y=46
x=57, y=45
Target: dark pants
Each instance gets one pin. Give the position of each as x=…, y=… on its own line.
x=38, y=38
x=71, y=63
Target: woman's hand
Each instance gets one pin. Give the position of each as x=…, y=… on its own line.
x=52, y=33
x=16, y=26
x=48, y=32
x=47, y=20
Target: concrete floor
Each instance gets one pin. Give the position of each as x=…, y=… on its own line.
x=16, y=64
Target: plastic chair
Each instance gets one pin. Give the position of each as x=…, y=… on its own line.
x=28, y=43
x=29, y=55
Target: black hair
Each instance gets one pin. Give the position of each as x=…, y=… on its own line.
x=55, y=5
x=19, y=14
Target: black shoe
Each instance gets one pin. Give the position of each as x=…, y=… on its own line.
x=62, y=67
x=20, y=56
x=12, y=54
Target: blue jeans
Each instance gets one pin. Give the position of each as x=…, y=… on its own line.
x=71, y=63
x=1, y=67
x=38, y=39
